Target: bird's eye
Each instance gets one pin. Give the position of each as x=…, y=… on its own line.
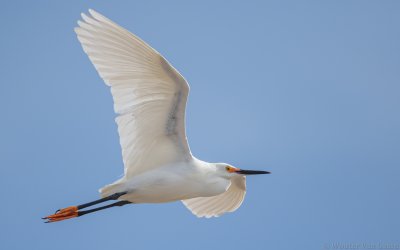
x=228, y=168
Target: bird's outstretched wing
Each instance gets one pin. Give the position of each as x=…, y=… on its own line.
x=149, y=94
x=220, y=204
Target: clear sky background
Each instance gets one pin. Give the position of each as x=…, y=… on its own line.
x=309, y=90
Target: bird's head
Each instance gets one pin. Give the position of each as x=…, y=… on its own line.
x=228, y=171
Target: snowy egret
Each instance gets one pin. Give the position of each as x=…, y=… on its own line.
x=150, y=99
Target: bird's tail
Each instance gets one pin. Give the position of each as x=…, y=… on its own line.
x=110, y=189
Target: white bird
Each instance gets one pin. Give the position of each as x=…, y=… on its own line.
x=150, y=99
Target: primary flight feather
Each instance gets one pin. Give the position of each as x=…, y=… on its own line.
x=150, y=99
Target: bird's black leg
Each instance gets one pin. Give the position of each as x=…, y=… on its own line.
x=108, y=198
x=118, y=203
x=73, y=211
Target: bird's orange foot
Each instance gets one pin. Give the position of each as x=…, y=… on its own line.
x=63, y=214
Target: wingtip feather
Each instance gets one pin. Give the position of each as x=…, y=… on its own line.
x=92, y=12
x=86, y=18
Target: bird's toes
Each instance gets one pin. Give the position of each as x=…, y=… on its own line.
x=62, y=214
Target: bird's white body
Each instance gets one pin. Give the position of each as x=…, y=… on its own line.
x=150, y=99
x=178, y=181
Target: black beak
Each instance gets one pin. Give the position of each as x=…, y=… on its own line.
x=251, y=172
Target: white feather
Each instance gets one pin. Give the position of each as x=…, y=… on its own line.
x=217, y=205
x=149, y=94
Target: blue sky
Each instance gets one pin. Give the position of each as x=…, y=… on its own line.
x=309, y=90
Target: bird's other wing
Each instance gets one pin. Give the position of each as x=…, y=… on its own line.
x=149, y=94
x=220, y=204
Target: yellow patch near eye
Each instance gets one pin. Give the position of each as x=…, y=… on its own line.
x=230, y=169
